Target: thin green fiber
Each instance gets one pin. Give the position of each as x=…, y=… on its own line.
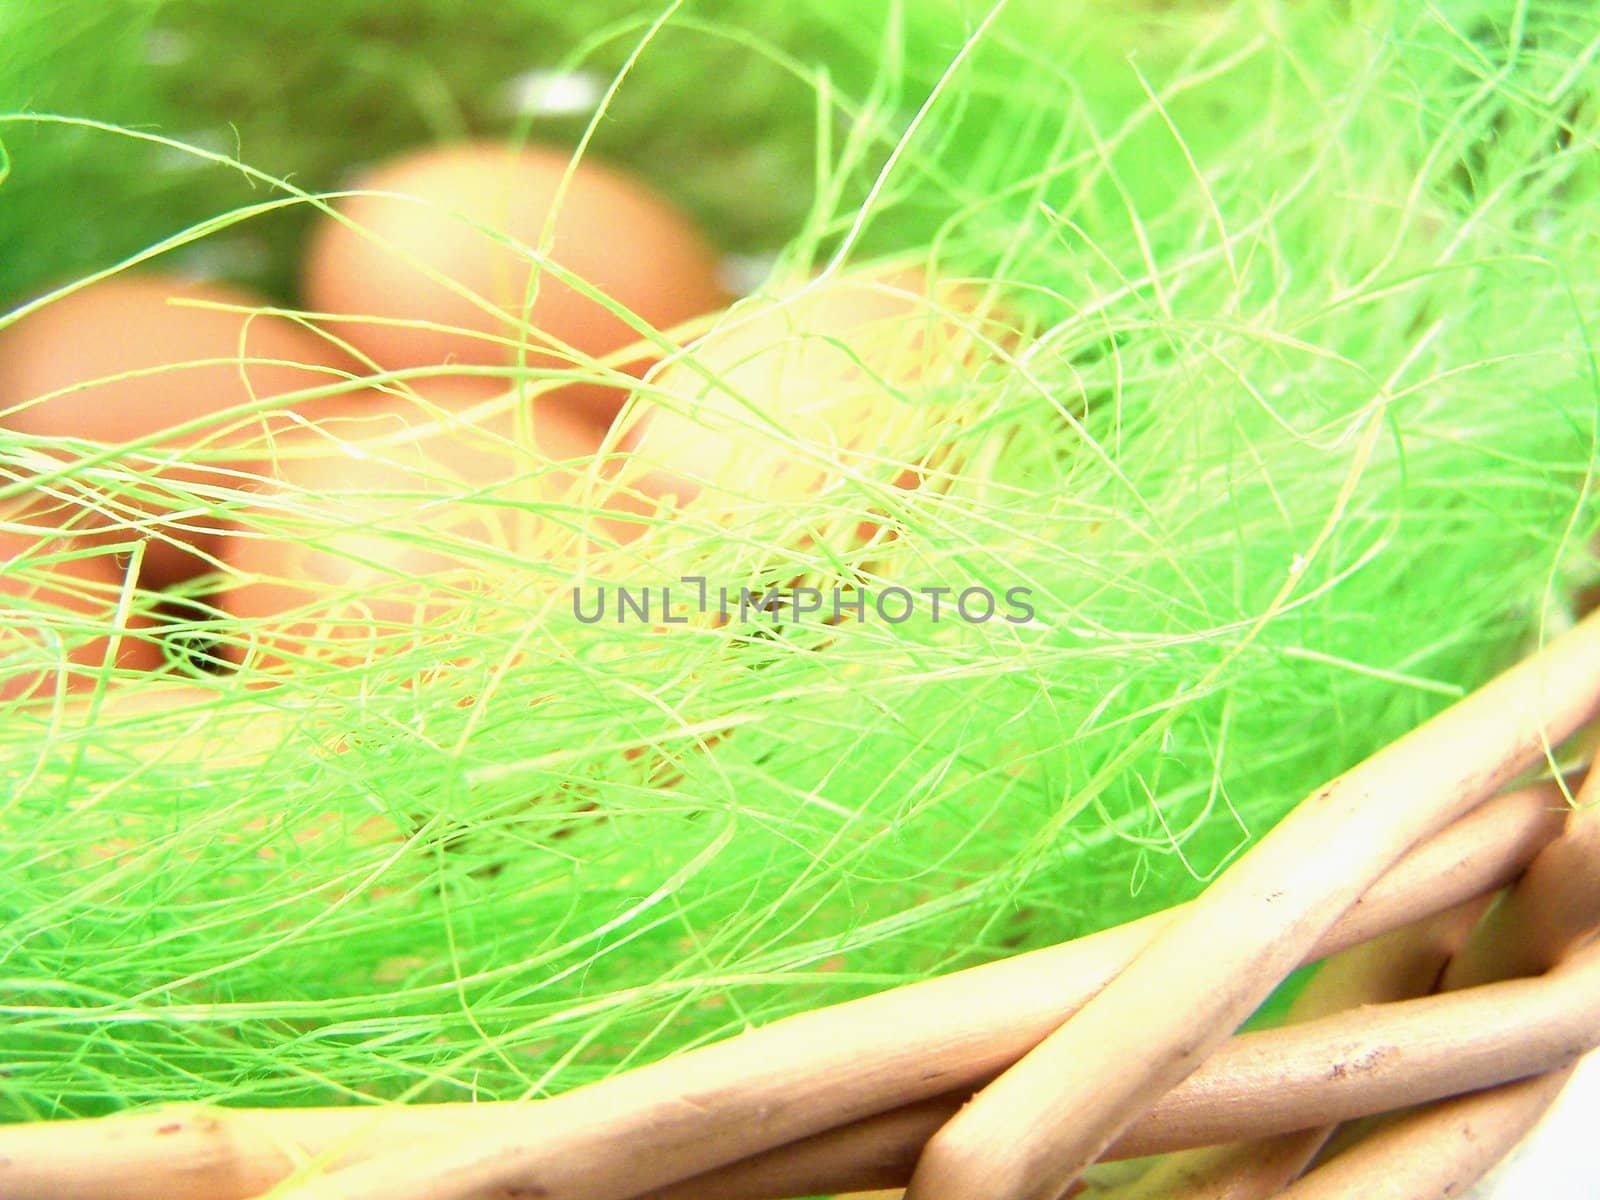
x=1290, y=440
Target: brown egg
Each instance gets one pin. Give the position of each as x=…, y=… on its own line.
x=435, y=256
x=789, y=395
x=59, y=629
x=389, y=514
x=119, y=362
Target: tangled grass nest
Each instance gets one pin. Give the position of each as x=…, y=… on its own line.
x=1290, y=444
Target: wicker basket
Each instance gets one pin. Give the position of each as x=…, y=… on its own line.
x=1007, y=1081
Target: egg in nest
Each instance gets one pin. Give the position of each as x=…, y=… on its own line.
x=489, y=254
x=65, y=625
x=387, y=517
x=819, y=398
x=166, y=394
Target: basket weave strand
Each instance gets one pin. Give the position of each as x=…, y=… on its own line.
x=1545, y=923
x=1185, y=993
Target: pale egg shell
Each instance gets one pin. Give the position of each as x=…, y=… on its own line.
x=59, y=630
x=788, y=395
x=388, y=514
x=122, y=361
x=435, y=253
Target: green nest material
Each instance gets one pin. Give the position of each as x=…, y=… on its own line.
x=1294, y=446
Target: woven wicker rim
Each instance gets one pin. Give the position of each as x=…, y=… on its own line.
x=1006, y=1081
